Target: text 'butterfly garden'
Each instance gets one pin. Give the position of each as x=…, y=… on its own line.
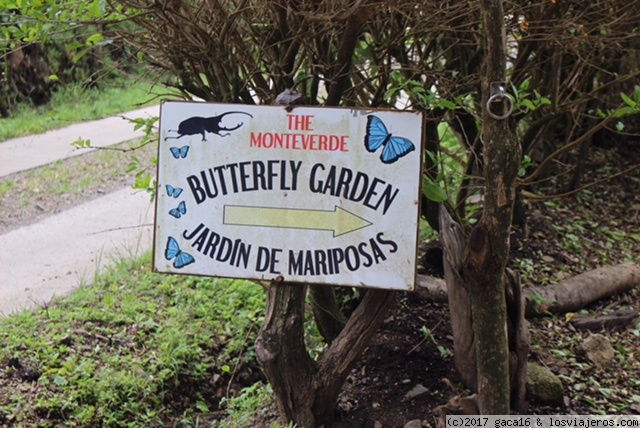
x=316, y=195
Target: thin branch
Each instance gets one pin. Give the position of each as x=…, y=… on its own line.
x=629, y=170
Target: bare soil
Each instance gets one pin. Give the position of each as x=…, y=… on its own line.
x=407, y=372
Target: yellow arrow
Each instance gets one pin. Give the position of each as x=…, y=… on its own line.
x=339, y=221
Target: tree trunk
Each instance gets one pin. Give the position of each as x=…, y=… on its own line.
x=464, y=351
x=488, y=248
x=579, y=291
x=281, y=351
x=327, y=315
x=306, y=390
x=569, y=295
x=462, y=320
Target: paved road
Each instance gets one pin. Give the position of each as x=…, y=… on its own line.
x=54, y=256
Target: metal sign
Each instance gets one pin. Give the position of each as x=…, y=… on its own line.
x=315, y=195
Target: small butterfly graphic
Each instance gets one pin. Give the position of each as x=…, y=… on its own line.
x=182, y=259
x=179, y=211
x=179, y=152
x=377, y=135
x=173, y=191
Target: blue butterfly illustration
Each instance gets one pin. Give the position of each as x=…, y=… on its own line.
x=181, y=258
x=173, y=191
x=179, y=211
x=179, y=152
x=377, y=135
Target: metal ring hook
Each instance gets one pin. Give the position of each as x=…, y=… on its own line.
x=498, y=95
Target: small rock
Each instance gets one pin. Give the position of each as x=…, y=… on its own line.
x=40, y=207
x=377, y=424
x=347, y=404
x=543, y=386
x=548, y=259
x=416, y=423
x=415, y=392
x=598, y=350
x=406, y=381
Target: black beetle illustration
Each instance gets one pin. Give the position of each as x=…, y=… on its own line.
x=201, y=125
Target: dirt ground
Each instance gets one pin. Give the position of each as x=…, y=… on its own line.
x=407, y=372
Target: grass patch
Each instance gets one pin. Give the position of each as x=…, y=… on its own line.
x=137, y=349
x=75, y=103
x=27, y=196
x=6, y=186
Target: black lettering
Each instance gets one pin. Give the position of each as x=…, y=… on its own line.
x=343, y=183
x=274, y=260
x=392, y=244
x=321, y=262
x=283, y=176
x=362, y=249
x=295, y=263
x=315, y=186
x=234, y=179
x=371, y=193
x=196, y=189
x=351, y=258
x=295, y=168
x=199, y=242
x=195, y=231
x=224, y=252
x=378, y=254
x=267, y=259
x=212, y=243
x=272, y=173
x=337, y=257
x=262, y=260
x=362, y=183
x=308, y=264
x=243, y=253
x=258, y=175
x=329, y=185
x=244, y=175
x=220, y=171
x=387, y=197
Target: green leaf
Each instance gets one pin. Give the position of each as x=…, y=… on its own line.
x=143, y=181
x=202, y=406
x=625, y=111
x=446, y=104
x=94, y=10
x=60, y=381
x=81, y=143
x=77, y=57
x=607, y=392
x=528, y=104
x=94, y=39
x=433, y=192
x=626, y=99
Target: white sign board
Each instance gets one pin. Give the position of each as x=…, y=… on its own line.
x=317, y=195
